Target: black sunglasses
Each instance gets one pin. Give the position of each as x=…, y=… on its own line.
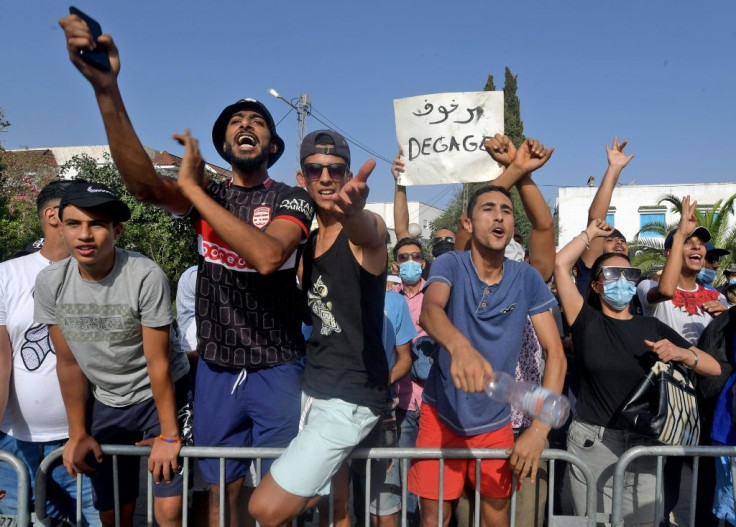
x=450, y=239
x=632, y=274
x=405, y=257
x=313, y=171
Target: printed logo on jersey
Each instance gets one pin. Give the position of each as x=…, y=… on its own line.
x=315, y=299
x=298, y=205
x=36, y=347
x=215, y=250
x=261, y=216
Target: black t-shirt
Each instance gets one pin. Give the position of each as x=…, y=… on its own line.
x=612, y=360
x=246, y=319
x=345, y=355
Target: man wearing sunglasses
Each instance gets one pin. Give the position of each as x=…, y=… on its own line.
x=713, y=255
x=343, y=273
x=250, y=346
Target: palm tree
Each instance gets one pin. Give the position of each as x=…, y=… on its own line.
x=648, y=253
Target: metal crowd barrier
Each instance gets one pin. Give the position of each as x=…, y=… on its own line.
x=403, y=454
x=660, y=452
x=22, y=517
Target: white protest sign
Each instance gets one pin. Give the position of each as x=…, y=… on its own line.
x=442, y=136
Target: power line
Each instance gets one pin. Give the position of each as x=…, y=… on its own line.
x=350, y=138
x=285, y=116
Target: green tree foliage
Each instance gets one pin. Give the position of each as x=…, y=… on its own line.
x=169, y=241
x=514, y=129
x=23, y=174
x=648, y=253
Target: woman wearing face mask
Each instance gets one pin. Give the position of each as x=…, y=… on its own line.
x=614, y=350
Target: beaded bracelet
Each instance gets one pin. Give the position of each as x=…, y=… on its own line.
x=174, y=440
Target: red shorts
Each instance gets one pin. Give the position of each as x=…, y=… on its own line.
x=495, y=474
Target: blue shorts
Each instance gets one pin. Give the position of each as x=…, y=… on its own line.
x=126, y=426
x=332, y=428
x=61, y=488
x=234, y=408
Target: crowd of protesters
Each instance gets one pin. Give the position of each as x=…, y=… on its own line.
x=301, y=341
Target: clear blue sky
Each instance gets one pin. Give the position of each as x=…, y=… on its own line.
x=658, y=73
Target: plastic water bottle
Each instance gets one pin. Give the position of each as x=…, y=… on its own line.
x=539, y=403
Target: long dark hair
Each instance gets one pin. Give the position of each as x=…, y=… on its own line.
x=594, y=299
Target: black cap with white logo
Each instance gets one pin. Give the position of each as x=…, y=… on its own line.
x=86, y=195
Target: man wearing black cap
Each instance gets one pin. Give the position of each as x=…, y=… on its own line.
x=343, y=272
x=108, y=312
x=249, y=333
x=713, y=256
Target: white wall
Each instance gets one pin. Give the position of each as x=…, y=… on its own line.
x=628, y=202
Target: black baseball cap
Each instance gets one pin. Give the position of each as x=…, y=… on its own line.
x=218, y=130
x=711, y=251
x=615, y=233
x=339, y=147
x=700, y=232
x=86, y=195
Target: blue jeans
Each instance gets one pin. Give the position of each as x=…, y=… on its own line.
x=61, y=488
x=408, y=424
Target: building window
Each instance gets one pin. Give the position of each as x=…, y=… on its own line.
x=647, y=218
x=609, y=218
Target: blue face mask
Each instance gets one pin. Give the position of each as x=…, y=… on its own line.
x=706, y=276
x=618, y=294
x=410, y=272
x=732, y=280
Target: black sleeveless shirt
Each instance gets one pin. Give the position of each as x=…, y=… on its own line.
x=345, y=355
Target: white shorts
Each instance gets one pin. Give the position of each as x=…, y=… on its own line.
x=332, y=428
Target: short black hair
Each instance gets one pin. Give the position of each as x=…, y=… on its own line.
x=51, y=192
x=482, y=190
x=407, y=241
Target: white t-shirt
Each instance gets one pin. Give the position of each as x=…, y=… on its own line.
x=35, y=410
x=185, y=295
x=684, y=312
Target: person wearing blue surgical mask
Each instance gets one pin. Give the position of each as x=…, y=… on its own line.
x=614, y=350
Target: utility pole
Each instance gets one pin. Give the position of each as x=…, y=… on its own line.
x=303, y=107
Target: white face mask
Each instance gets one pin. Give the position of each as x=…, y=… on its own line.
x=514, y=251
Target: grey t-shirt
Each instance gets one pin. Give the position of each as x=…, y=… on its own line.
x=102, y=322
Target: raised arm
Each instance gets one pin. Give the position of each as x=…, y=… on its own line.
x=365, y=229
x=265, y=250
x=570, y=298
x=617, y=161
x=469, y=369
x=127, y=151
x=667, y=285
x=401, y=204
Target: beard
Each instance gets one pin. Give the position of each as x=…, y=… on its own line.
x=248, y=164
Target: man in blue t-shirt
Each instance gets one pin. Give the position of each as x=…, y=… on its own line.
x=475, y=307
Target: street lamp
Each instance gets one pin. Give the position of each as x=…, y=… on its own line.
x=302, y=107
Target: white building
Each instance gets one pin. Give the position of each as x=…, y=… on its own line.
x=420, y=213
x=633, y=206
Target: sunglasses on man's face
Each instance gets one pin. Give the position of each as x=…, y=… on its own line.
x=632, y=274
x=313, y=171
x=405, y=257
x=441, y=239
